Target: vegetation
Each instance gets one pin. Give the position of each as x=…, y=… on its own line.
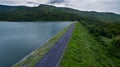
x=108, y=35
x=51, y=13
x=116, y=42
x=35, y=56
x=84, y=51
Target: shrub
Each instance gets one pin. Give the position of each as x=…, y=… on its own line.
x=116, y=42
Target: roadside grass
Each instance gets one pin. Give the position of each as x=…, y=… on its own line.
x=84, y=51
x=36, y=55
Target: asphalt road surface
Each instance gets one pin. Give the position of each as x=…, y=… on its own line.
x=55, y=53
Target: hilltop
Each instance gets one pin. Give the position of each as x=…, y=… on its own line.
x=52, y=13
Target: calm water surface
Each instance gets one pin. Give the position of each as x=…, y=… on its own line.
x=17, y=39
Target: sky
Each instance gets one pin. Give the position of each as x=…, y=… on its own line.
x=85, y=5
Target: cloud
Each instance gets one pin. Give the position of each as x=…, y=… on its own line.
x=95, y=5
x=24, y=2
x=91, y=5
x=57, y=1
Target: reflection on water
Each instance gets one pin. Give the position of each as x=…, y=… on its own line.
x=17, y=39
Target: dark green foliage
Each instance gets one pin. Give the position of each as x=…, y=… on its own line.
x=51, y=13
x=116, y=45
x=108, y=35
x=109, y=30
x=116, y=42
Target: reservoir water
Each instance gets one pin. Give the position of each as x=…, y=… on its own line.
x=17, y=39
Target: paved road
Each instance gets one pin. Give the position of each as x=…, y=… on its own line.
x=53, y=56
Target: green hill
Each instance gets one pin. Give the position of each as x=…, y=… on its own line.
x=52, y=13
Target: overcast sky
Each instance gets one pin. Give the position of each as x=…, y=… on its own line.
x=89, y=5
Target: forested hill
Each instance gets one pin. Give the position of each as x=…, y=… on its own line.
x=51, y=13
x=6, y=8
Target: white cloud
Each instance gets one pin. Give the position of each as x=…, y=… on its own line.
x=95, y=5
x=24, y=2
x=91, y=5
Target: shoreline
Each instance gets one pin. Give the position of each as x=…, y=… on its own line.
x=45, y=47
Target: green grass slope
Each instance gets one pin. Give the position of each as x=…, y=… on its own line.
x=84, y=51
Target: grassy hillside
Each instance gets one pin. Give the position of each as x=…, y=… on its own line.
x=108, y=35
x=85, y=51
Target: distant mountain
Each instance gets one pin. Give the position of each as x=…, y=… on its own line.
x=57, y=1
x=6, y=7
x=52, y=13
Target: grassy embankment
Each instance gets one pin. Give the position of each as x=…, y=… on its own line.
x=40, y=52
x=84, y=51
x=112, y=50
